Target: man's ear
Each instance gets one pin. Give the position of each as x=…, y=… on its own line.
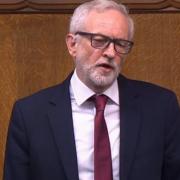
x=71, y=44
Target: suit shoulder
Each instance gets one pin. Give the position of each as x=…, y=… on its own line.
x=152, y=88
x=41, y=97
x=49, y=92
x=148, y=88
x=153, y=94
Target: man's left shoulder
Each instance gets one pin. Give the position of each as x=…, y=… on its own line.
x=146, y=89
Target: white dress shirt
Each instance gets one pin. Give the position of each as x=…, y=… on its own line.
x=83, y=113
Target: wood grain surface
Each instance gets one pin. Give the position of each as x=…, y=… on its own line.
x=33, y=56
x=62, y=6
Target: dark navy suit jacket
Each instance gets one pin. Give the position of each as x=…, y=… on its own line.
x=41, y=145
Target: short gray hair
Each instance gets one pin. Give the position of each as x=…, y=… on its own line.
x=81, y=12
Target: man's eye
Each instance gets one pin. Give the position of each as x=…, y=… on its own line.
x=99, y=42
x=122, y=43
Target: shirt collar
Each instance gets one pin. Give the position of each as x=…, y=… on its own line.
x=80, y=92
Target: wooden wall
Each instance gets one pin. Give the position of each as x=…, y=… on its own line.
x=33, y=54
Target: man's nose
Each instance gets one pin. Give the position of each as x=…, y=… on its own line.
x=109, y=51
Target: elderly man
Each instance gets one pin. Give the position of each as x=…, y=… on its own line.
x=97, y=124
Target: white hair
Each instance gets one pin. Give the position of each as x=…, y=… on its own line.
x=81, y=12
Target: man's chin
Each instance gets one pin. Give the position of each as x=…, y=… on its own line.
x=103, y=80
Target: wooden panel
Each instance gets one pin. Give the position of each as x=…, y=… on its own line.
x=68, y=6
x=156, y=54
x=33, y=56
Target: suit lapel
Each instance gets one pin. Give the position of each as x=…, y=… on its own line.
x=60, y=117
x=130, y=126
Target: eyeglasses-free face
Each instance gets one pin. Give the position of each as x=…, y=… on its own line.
x=99, y=41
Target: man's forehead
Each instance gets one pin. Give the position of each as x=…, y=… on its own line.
x=111, y=22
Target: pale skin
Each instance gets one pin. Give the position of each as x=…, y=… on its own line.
x=97, y=68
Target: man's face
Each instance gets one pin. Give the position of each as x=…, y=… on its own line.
x=98, y=68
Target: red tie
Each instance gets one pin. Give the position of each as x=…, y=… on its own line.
x=102, y=151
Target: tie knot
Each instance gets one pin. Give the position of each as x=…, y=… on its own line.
x=100, y=102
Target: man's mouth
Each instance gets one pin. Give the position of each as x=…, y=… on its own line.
x=105, y=67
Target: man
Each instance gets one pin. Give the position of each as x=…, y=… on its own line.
x=52, y=135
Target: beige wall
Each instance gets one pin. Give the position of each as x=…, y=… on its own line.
x=33, y=56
